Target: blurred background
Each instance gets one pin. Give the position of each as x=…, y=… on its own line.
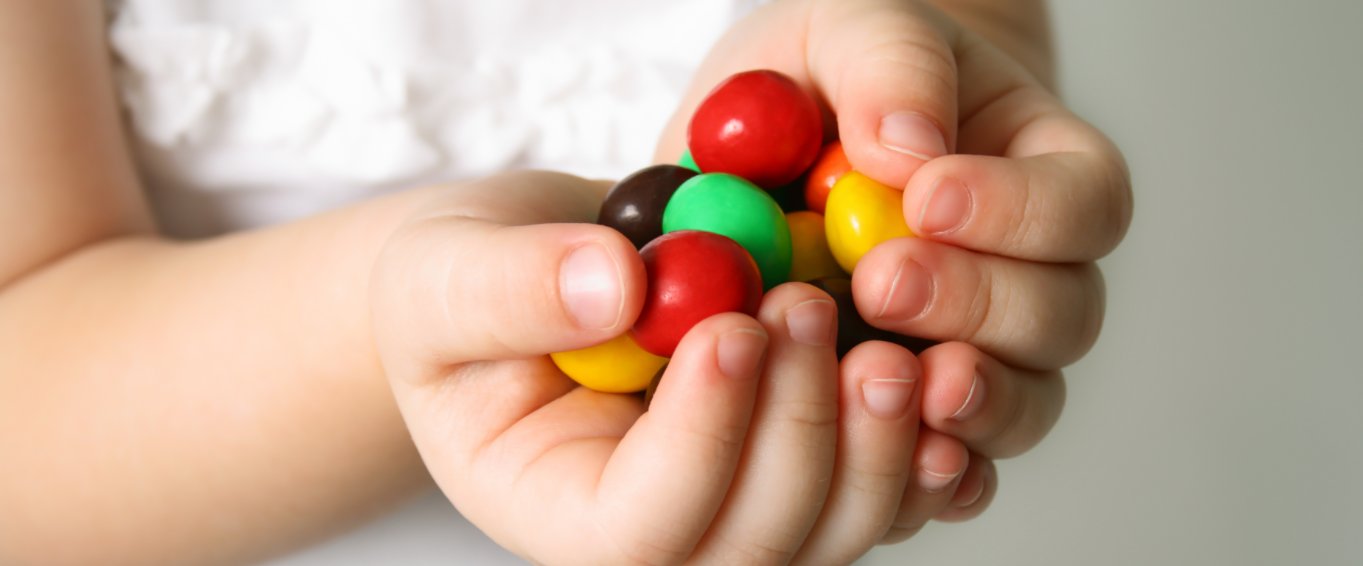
x=1217, y=420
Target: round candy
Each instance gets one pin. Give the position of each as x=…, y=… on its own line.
x=687, y=161
x=831, y=165
x=725, y=204
x=860, y=214
x=852, y=329
x=810, y=258
x=635, y=205
x=692, y=275
x=617, y=366
x=758, y=125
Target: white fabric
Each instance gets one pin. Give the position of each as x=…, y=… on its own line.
x=251, y=112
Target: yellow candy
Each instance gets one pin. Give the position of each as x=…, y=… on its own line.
x=860, y=214
x=812, y=259
x=617, y=366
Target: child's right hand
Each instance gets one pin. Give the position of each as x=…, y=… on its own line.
x=758, y=446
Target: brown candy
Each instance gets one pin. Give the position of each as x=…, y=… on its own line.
x=852, y=330
x=635, y=205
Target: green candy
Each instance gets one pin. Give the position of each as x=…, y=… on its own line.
x=688, y=162
x=731, y=206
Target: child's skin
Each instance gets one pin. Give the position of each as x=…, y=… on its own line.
x=228, y=399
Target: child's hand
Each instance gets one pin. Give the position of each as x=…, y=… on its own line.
x=757, y=445
x=1013, y=197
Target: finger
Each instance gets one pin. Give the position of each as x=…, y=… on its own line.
x=479, y=285
x=878, y=431
x=1056, y=207
x=664, y=484
x=974, y=493
x=1029, y=315
x=888, y=72
x=787, y=461
x=939, y=464
x=1068, y=181
x=996, y=410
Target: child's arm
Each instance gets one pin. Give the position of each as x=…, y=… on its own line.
x=164, y=402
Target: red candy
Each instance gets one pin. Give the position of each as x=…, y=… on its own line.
x=831, y=166
x=758, y=125
x=693, y=275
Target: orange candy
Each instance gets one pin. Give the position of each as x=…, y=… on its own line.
x=811, y=258
x=830, y=166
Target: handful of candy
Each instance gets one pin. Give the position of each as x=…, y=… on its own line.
x=713, y=236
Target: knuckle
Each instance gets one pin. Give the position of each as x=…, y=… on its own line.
x=976, y=322
x=757, y=549
x=810, y=417
x=719, y=442
x=647, y=551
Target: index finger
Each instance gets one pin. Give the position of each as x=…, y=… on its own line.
x=1034, y=181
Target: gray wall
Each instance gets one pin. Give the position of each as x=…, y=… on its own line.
x=1217, y=420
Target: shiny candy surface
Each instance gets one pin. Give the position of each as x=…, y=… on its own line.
x=758, y=125
x=852, y=329
x=810, y=257
x=616, y=366
x=692, y=275
x=725, y=204
x=831, y=165
x=860, y=214
x=635, y=205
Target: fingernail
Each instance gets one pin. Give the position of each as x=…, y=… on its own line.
x=912, y=134
x=933, y=481
x=968, y=501
x=910, y=292
x=946, y=208
x=589, y=283
x=973, y=400
x=811, y=322
x=740, y=351
x=887, y=398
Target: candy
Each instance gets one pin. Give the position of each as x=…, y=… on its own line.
x=831, y=165
x=852, y=329
x=616, y=366
x=860, y=214
x=758, y=125
x=810, y=257
x=692, y=275
x=725, y=204
x=635, y=205
x=688, y=162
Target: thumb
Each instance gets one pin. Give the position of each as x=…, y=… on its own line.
x=889, y=73
x=507, y=269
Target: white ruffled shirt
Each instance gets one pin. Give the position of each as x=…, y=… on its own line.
x=252, y=112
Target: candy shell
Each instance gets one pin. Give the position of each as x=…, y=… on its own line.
x=688, y=162
x=810, y=257
x=861, y=214
x=692, y=276
x=831, y=165
x=759, y=125
x=635, y=205
x=616, y=366
x=728, y=205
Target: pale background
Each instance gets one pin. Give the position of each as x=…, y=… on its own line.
x=1217, y=420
